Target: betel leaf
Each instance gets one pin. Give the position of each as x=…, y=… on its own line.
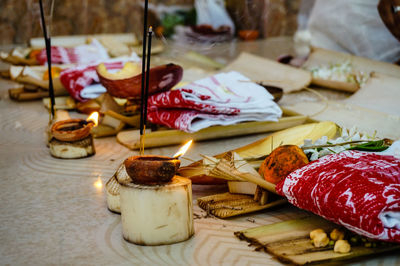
x=378, y=145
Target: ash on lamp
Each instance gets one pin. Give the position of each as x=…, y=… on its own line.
x=71, y=139
x=155, y=204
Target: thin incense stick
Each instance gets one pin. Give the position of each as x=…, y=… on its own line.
x=146, y=91
x=47, y=41
x=146, y=4
x=142, y=95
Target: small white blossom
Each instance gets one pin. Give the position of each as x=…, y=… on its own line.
x=346, y=136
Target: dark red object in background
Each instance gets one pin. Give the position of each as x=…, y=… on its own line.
x=389, y=10
x=162, y=78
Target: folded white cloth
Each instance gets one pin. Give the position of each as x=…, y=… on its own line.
x=222, y=99
x=93, y=91
x=390, y=219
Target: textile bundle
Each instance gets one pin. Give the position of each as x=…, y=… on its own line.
x=360, y=191
x=222, y=99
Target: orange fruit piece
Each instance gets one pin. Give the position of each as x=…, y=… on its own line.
x=281, y=162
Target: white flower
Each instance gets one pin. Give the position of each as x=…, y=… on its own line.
x=346, y=136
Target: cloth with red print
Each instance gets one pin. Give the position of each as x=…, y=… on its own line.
x=83, y=83
x=222, y=99
x=82, y=54
x=358, y=190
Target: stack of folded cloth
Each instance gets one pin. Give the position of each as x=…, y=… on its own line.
x=82, y=54
x=222, y=99
x=358, y=190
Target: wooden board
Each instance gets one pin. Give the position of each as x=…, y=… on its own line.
x=270, y=72
x=71, y=41
x=336, y=85
x=380, y=93
x=20, y=94
x=350, y=115
x=131, y=138
x=323, y=57
x=33, y=75
x=228, y=205
x=374, y=109
x=289, y=241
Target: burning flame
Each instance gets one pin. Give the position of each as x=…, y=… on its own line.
x=94, y=117
x=98, y=184
x=183, y=149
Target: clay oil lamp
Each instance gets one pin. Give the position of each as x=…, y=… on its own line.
x=151, y=169
x=71, y=138
x=155, y=203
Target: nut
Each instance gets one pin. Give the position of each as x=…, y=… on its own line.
x=321, y=240
x=342, y=246
x=315, y=232
x=337, y=234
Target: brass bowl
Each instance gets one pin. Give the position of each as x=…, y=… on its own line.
x=151, y=169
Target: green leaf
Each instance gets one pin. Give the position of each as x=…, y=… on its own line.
x=378, y=145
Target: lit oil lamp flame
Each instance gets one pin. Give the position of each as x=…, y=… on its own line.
x=183, y=149
x=98, y=184
x=94, y=117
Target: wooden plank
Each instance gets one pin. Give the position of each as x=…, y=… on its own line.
x=284, y=231
x=336, y=85
x=380, y=93
x=270, y=72
x=322, y=57
x=19, y=94
x=131, y=138
x=71, y=41
x=289, y=241
x=350, y=115
x=228, y=205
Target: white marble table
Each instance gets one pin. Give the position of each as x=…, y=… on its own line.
x=52, y=213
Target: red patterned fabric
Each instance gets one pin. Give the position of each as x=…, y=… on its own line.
x=75, y=79
x=222, y=99
x=82, y=54
x=59, y=55
x=360, y=191
x=175, y=99
x=182, y=119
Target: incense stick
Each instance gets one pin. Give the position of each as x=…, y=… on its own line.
x=143, y=65
x=146, y=91
x=141, y=148
x=47, y=41
x=142, y=95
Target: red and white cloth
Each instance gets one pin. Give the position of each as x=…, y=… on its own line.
x=222, y=99
x=82, y=54
x=82, y=82
x=358, y=190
